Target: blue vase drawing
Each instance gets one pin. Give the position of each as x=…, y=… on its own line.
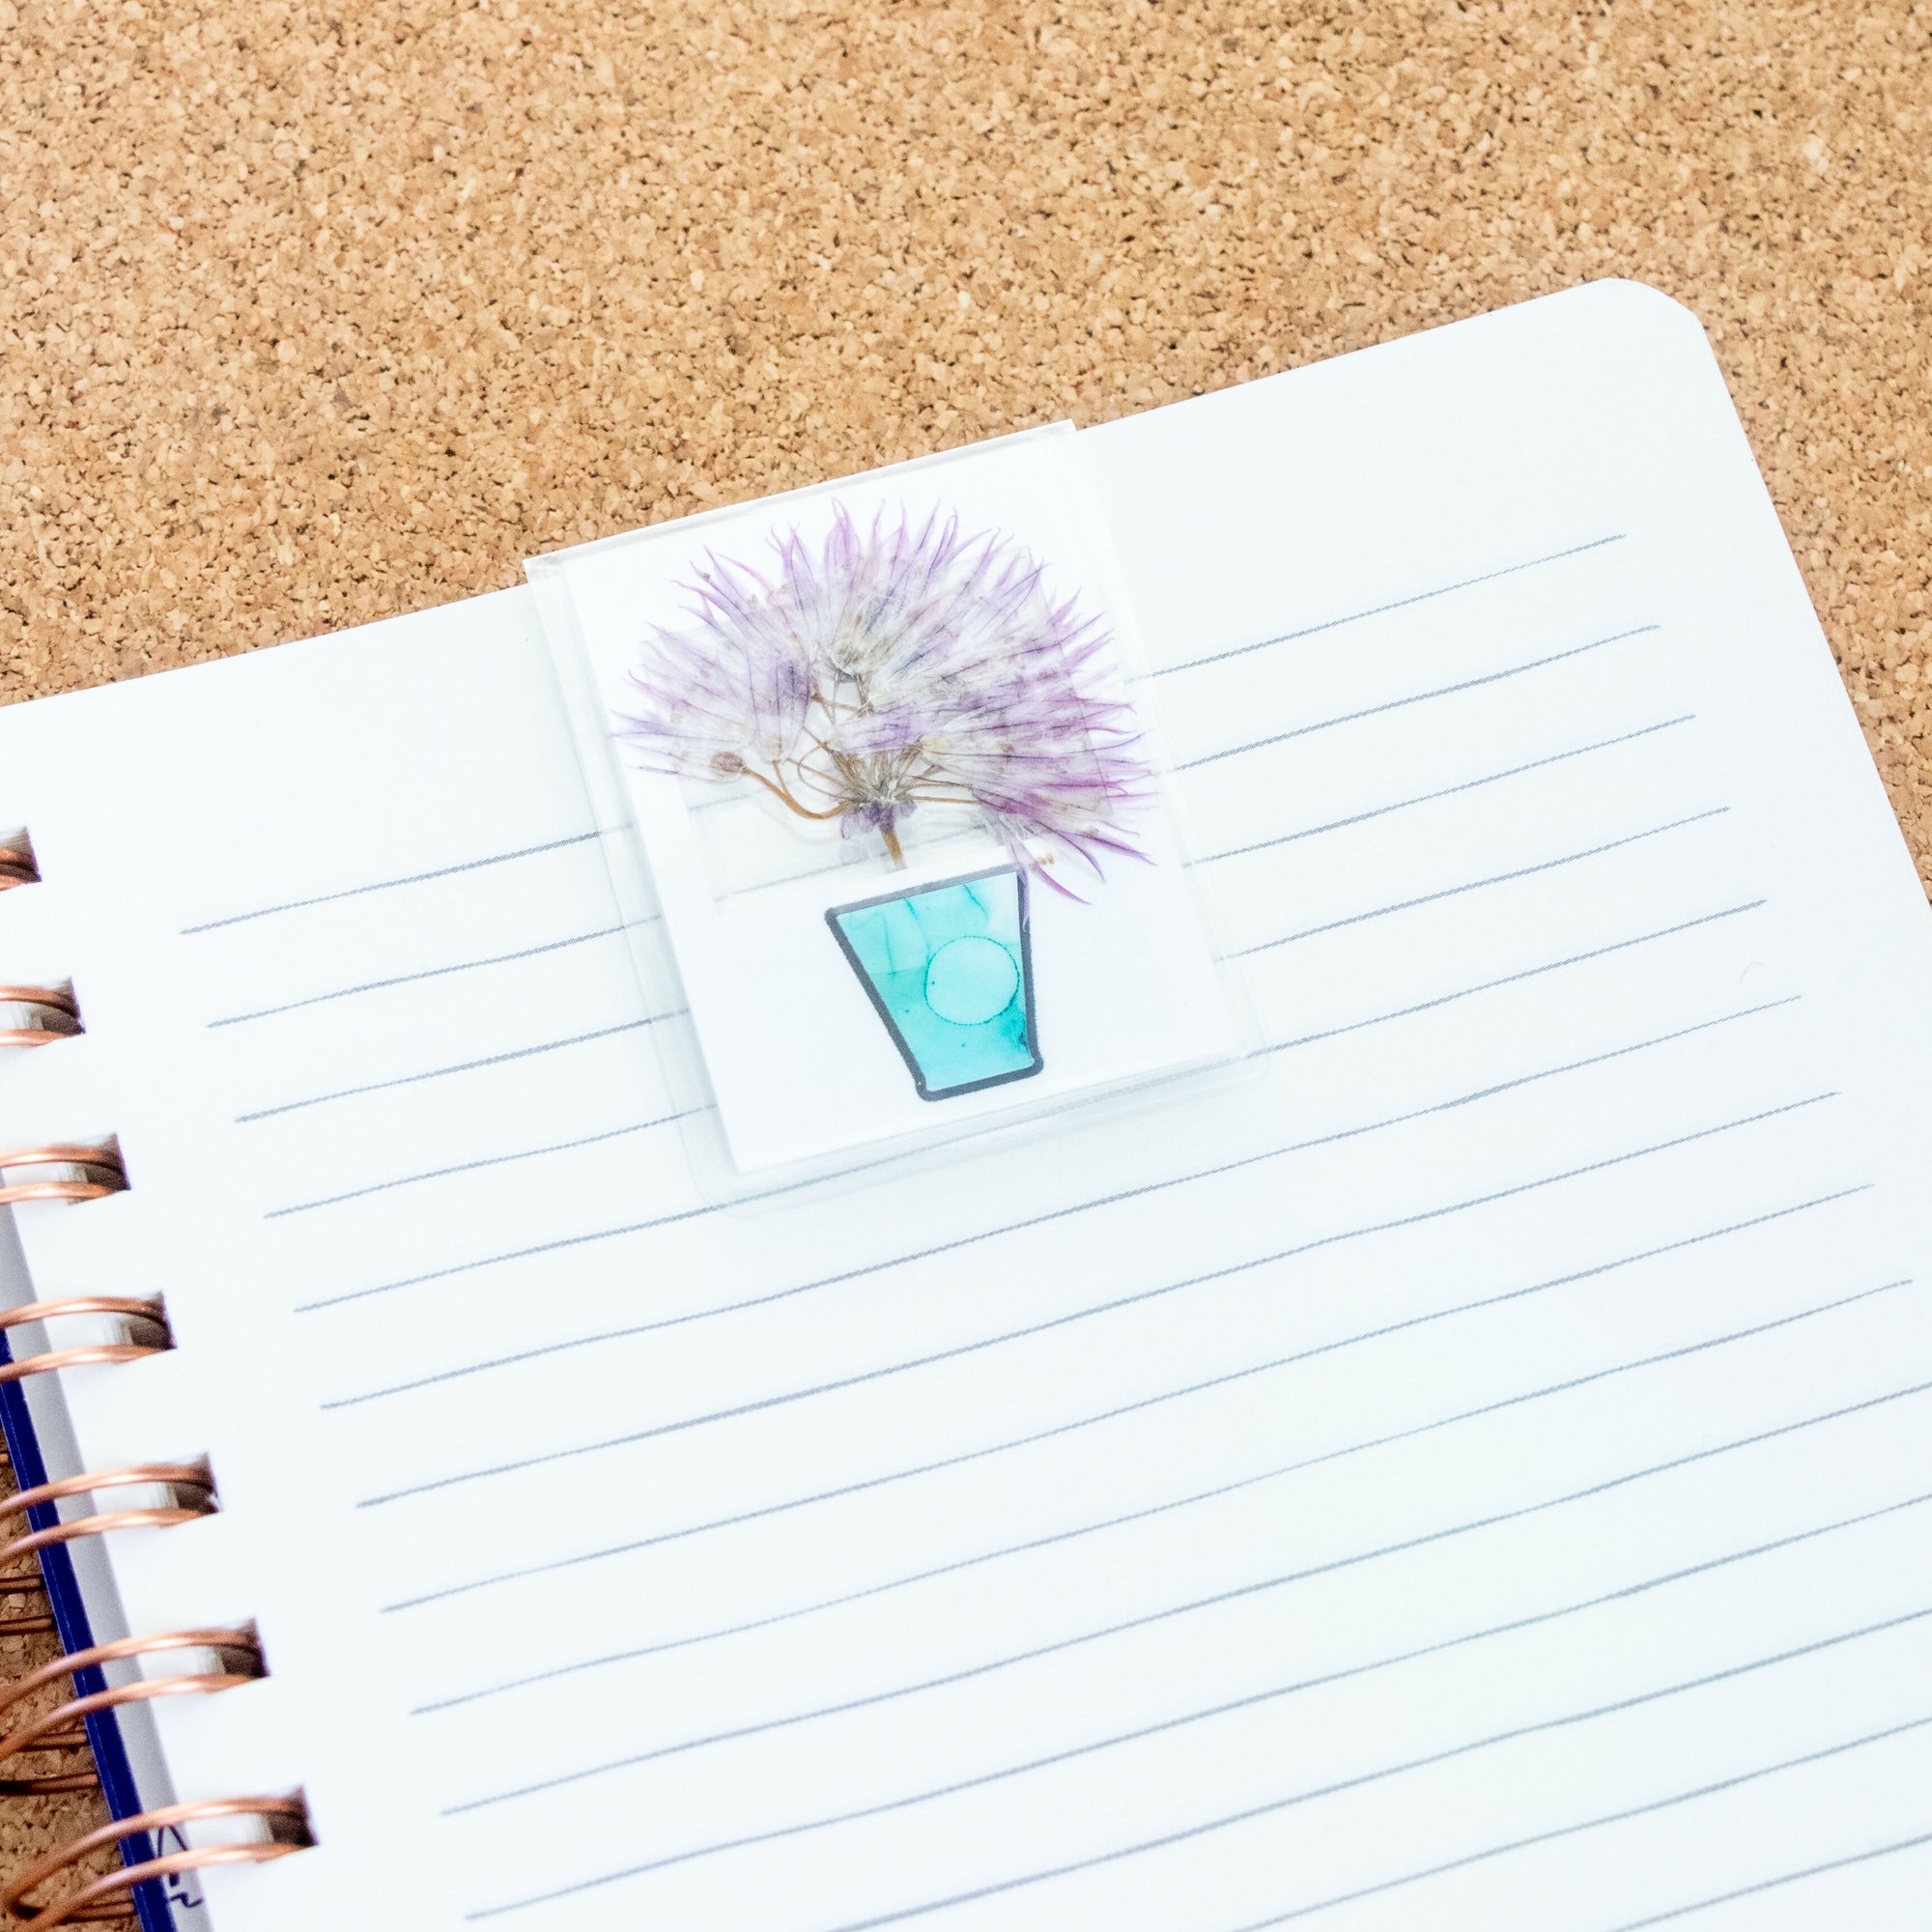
x=949, y=969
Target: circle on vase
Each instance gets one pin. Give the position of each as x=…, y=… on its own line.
x=971, y=981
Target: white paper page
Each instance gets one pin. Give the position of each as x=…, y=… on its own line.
x=1473, y=1475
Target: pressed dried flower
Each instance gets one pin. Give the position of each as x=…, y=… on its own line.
x=895, y=667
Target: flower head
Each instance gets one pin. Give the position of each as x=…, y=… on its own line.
x=891, y=666
x=727, y=692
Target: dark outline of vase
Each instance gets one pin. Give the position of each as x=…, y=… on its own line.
x=892, y=1026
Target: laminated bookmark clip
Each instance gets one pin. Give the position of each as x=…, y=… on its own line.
x=888, y=756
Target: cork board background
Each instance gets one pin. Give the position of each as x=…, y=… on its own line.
x=311, y=313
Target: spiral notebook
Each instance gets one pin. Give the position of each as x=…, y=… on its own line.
x=1471, y=1472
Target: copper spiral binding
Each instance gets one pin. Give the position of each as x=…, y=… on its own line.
x=59, y=1013
x=287, y=1819
x=30, y=1622
x=60, y=1730
x=17, y=866
x=95, y=1171
x=64, y=1739
x=237, y=1649
x=198, y=1499
x=69, y=1737
x=144, y=1315
x=101, y=1168
x=55, y=1783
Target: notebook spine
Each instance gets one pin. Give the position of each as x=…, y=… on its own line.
x=75, y=1745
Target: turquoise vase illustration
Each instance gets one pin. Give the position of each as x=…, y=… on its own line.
x=948, y=968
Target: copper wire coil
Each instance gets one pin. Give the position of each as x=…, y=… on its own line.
x=53, y=1784
x=120, y=1910
x=99, y=1525
x=93, y=1161
x=177, y=1475
x=200, y=1501
x=84, y=1304
x=142, y=1690
x=55, y=997
x=148, y=1313
x=74, y=1358
x=115, y=1912
x=69, y=1735
x=49, y=1783
x=60, y=1190
x=49, y=1000
x=287, y=1817
x=17, y=867
x=227, y=1643
x=66, y=1739
x=29, y=1623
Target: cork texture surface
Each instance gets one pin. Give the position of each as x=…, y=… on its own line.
x=313, y=313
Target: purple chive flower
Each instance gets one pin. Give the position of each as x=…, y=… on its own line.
x=891, y=668
x=717, y=698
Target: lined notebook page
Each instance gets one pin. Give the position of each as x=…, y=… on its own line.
x=1471, y=1472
